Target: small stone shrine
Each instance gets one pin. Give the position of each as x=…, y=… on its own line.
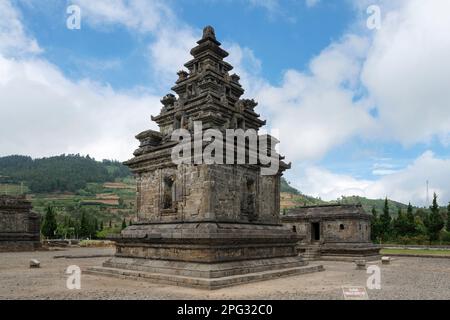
x=19, y=225
x=333, y=232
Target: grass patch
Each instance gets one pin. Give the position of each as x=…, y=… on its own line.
x=416, y=252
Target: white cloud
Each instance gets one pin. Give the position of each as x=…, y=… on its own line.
x=138, y=15
x=171, y=50
x=52, y=114
x=172, y=39
x=383, y=168
x=311, y=3
x=407, y=72
x=406, y=185
x=383, y=172
x=316, y=111
x=13, y=38
x=46, y=114
x=270, y=5
x=405, y=69
x=247, y=66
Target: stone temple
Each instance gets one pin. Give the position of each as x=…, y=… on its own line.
x=204, y=225
x=19, y=225
x=333, y=232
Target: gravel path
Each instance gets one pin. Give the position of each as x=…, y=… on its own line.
x=404, y=278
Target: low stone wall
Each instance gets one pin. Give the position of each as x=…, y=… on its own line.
x=19, y=246
x=424, y=247
x=19, y=225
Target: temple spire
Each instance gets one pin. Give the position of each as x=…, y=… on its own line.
x=206, y=92
x=208, y=32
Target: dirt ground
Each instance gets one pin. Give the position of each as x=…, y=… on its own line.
x=404, y=278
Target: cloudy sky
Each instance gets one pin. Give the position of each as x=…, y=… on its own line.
x=361, y=111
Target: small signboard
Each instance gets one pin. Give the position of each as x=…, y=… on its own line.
x=355, y=293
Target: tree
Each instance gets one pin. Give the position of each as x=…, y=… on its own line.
x=84, y=226
x=49, y=225
x=448, y=217
x=420, y=226
x=101, y=225
x=96, y=226
x=375, y=225
x=124, y=224
x=401, y=226
x=60, y=173
x=434, y=221
x=411, y=220
x=385, y=221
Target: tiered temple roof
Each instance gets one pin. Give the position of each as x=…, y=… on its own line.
x=206, y=93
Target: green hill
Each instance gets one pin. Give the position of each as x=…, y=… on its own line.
x=77, y=174
x=368, y=204
x=286, y=187
x=65, y=173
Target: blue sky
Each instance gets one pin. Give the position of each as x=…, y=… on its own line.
x=359, y=111
x=281, y=39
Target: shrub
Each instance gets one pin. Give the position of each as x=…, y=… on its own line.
x=408, y=240
x=445, y=236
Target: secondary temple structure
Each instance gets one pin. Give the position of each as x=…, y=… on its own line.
x=19, y=225
x=333, y=232
x=205, y=225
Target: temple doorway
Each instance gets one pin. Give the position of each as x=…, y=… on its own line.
x=315, y=231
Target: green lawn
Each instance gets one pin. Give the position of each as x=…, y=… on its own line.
x=416, y=252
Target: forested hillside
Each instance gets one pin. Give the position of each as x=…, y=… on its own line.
x=65, y=173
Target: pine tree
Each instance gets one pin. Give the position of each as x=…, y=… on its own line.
x=401, y=224
x=375, y=225
x=411, y=220
x=385, y=221
x=448, y=217
x=434, y=222
x=101, y=225
x=84, y=225
x=49, y=225
x=124, y=224
x=110, y=223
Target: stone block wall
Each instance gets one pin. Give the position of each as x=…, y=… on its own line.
x=346, y=230
x=208, y=192
x=19, y=226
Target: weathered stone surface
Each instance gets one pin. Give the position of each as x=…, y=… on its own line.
x=338, y=232
x=360, y=264
x=19, y=226
x=386, y=260
x=203, y=282
x=35, y=263
x=200, y=219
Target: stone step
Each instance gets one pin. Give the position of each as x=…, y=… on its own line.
x=189, y=269
x=312, y=252
x=202, y=283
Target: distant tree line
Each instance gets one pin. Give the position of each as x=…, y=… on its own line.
x=83, y=223
x=418, y=226
x=85, y=226
x=65, y=173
